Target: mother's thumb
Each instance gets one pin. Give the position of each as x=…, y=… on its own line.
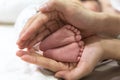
x=54, y=5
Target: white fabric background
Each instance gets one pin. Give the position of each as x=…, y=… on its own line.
x=11, y=66
x=116, y=4
x=10, y=9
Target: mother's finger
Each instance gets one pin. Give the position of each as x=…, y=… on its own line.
x=36, y=26
x=42, y=32
x=39, y=60
x=38, y=38
x=59, y=5
x=50, y=27
x=29, y=22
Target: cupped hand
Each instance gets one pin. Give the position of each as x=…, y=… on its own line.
x=55, y=14
x=92, y=54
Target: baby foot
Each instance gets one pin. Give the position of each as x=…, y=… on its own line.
x=63, y=45
x=68, y=53
x=64, y=36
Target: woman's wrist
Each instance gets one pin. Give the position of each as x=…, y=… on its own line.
x=111, y=48
x=108, y=24
x=97, y=22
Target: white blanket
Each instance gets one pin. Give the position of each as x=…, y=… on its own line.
x=115, y=4
x=10, y=9
x=13, y=68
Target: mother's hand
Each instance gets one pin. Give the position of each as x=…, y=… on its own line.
x=92, y=54
x=52, y=16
